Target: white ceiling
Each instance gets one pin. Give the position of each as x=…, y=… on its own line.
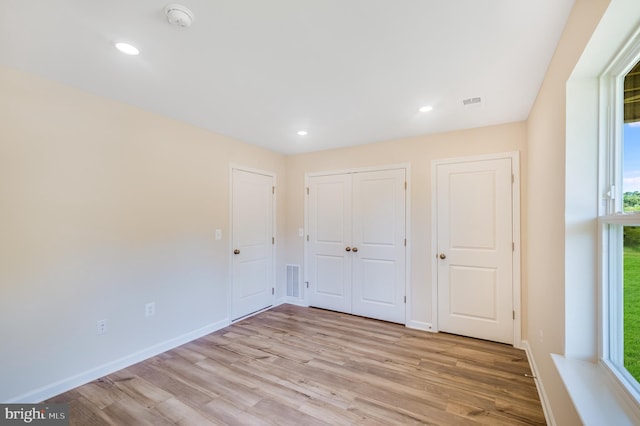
x=347, y=71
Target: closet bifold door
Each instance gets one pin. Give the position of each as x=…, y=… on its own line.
x=329, y=261
x=356, y=243
x=378, y=230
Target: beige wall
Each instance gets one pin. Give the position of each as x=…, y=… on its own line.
x=546, y=137
x=106, y=207
x=418, y=152
x=103, y=208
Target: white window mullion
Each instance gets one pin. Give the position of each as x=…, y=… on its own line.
x=615, y=289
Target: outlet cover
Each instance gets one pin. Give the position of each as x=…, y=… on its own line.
x=150, y=309
x=101, y=326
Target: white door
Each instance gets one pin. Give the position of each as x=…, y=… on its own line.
x=252, y=234
x=378, y=251
x=475, y=237
x=329, y=245
x=356, y=243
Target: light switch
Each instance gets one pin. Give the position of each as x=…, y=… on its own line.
x=218, y=234
x=300, y=232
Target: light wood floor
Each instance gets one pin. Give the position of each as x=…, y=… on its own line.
x=306, y=366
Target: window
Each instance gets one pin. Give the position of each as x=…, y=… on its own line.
x=620, y=219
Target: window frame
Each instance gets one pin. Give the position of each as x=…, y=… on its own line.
x=612, y=219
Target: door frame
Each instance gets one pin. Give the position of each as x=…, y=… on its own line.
x=273, y=176
x=514, y=156
x=407, y=201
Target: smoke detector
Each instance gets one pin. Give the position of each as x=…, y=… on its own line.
x=178, y=15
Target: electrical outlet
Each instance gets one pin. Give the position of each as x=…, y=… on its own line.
x=150, y=309
x=101, y=326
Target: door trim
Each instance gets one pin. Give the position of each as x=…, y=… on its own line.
x=273, y=176
x=407, y=224
x=514, y=156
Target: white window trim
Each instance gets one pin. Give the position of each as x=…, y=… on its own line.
x=612, y=333
x=610, y=214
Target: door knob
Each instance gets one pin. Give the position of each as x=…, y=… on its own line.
x=443, y=256
x=236, y=251
x=355, y=249
x=348, y=248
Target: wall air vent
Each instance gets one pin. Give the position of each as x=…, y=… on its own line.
x=293, y=281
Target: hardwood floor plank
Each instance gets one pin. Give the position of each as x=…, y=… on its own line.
x=182, y=414
x=138, y=389
x=217, y=383
x=264, y=389
x=295, y=365
x=416, y=410
x=528, y=412
x=284, y=415
x=189, y=354
x=327, y=413
x=130, y=412
x=101, y=393
x=294, y=376
x=373, y=414
x=213, y=350
x=83, y=412
x=179, y=389
x=379, y=387
x=228, y=414
x=484, y=417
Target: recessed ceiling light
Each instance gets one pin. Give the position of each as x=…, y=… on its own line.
x=303, y=133
x=425, y=109
x=127, y=48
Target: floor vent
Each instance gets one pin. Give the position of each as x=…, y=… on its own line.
x=293, y=281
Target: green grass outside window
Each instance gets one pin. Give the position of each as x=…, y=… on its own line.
x=632, y=310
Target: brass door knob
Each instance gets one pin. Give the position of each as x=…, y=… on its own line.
x=443, y=256
x=355, y=249
x=348, y=248
x=236, y=251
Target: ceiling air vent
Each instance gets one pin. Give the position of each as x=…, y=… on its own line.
x=472, y=102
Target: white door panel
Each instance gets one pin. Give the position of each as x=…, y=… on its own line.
x=356, y=243
x=480, y=282
x=331, y=288
x=378, y=234
x=329, y=236
x=475, y=228
x=332, y=202
x=252, y=232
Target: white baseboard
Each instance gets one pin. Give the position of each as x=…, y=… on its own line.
x=419, y=325
x=53, y=389
x=546, y=405
x=296, y=301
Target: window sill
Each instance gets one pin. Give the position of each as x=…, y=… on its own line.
x=598, y=399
